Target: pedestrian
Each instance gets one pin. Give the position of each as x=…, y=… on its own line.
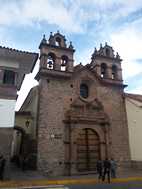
x=24, y=163
x=2, y=166
x=99, y=168
x=107, y=167
x=113, y=168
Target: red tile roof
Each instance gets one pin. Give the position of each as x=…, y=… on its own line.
x=136, y=97
x=15, y=50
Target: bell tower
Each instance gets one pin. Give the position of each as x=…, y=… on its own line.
x=55, y=55
x=54, y=76
x=107, y=64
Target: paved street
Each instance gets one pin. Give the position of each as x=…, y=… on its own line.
x=43, y=187
x=129, y=185
x=129, y=179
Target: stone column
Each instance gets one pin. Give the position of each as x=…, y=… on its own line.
x=103, y=150
x=69, y=67
x=119, y=74
x=109, y=72
x=98, y=69
x=43, y=61
x=73, y=170
x=106, y=130
x=57, y=64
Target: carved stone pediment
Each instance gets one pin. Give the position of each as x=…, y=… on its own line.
x=77, y=103
x=87, y=110
x=95, y=104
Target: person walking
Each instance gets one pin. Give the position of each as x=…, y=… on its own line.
x=113, y=168
x=107, y=167
x=2, y=166
x=99, y=169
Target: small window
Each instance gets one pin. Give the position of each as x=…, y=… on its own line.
x=84, y=91
x=9, y=77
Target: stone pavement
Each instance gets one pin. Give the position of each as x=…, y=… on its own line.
x=42, y=187
x=14, y=173
x=16, y=177
x=47, y=187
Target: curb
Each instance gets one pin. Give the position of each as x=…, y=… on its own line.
x=45, y=182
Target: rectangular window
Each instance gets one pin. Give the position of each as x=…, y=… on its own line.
x=9, y=77
x=1, y=76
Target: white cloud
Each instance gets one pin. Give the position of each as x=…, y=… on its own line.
x=53, y=12
x=68, y=15
x=128, y=42
x=102, y=10
x=131, y=68
x=137, y=90
x=31, y=12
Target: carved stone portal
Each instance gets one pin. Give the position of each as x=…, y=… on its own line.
x=87, y=127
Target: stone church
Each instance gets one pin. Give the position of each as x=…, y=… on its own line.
x=78, y=111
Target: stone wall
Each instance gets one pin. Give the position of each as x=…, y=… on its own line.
x=53, y=101
x=136, y=165
x=6, y=135
x=56, y=96
x=114, y=105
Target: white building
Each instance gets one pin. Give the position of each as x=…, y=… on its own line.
x=134, y=117
x=14, y=65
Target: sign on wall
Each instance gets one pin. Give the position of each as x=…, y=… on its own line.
x=7, y=112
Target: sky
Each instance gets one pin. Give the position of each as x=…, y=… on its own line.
x=86, y=23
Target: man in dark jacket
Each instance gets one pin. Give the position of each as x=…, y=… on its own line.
x=2, y=166
x=107, y=168
x=100, y=168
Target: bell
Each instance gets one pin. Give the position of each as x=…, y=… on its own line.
x=50, y=64
x=63, y=63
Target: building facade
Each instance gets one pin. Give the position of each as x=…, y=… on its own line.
x=81, y=109
x=14, y=65
x=134, y=112
x=25, y=131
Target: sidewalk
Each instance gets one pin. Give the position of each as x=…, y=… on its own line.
x=14, y=173
x=16, y=178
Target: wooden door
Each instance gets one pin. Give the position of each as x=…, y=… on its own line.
x=88, y=150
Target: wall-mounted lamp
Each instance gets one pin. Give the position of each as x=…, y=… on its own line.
x=52, y=136
x=27, y=123
x=18, y=133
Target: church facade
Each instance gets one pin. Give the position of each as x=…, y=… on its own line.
x=81, y=113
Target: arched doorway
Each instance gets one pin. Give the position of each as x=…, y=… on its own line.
x=17, y=143
x=88, y=150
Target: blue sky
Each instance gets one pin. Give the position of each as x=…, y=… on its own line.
x=86, y=23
